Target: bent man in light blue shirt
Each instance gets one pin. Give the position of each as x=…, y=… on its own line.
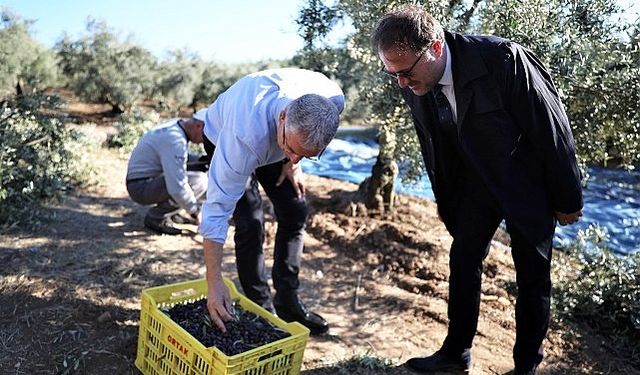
x=262, y=126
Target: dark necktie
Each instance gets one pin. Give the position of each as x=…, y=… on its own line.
x=445, y=115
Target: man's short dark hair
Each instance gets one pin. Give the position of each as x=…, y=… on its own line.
x=407, y=27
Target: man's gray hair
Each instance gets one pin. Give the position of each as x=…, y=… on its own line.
x=315, y=118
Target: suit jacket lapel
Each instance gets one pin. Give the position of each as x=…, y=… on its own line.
x=466, y=65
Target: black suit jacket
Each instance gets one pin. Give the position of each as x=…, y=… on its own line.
x=512, y=129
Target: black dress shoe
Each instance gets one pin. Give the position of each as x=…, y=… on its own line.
x=439, y=362
x=525, y=372
x=161, y=225
x=291, y=309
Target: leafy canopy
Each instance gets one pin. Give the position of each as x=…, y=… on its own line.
x=101, y=68
x=23, y=61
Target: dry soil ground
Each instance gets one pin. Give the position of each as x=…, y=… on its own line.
x=70, y=291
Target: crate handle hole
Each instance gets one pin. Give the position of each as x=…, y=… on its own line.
x=270, y=355
x=183, y=293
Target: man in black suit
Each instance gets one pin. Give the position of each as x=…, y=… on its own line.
x=497, y=145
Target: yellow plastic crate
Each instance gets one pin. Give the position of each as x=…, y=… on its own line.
x=165, y=348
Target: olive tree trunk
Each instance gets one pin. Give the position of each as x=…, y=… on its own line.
x=377, y=191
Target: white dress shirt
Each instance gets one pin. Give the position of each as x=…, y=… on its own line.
x=447, y=85
x=242, y=123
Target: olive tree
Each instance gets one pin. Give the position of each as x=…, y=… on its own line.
x=179, y=77
x=101, y=68
x=593, y=57
x=315, y=23
x=40, y=157
x=24, y=63
x=379, y=94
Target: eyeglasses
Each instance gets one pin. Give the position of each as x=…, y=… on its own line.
x=315, y=159
x=403, y=73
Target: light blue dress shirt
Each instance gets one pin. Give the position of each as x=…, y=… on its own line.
x=242, y=124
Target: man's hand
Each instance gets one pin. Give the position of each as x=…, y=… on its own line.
x=196, y=217
x=565, y=219
x=218, y=298
x=293, y=172
x=219, y=302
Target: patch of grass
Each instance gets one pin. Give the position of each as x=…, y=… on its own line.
x=360, y=364
x=596, y=287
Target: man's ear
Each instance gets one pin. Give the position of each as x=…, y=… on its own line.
x=437, y=46
x=283, y=115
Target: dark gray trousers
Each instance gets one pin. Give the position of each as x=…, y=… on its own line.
x=153, y=190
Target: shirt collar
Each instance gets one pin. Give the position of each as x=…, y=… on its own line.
x=179, y=123
x=447, y=77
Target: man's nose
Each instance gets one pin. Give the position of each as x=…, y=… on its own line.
x=403, y=81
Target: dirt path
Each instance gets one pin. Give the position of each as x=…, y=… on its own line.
x=70, y=292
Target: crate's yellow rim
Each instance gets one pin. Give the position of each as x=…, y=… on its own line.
x=295, y=329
